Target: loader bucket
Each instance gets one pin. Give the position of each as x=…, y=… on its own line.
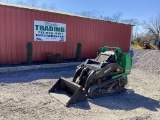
x=67, y=92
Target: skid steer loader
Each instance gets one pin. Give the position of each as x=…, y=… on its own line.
x=153, y=44
x=104, y=75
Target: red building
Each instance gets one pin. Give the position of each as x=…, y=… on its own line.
x=18, y=26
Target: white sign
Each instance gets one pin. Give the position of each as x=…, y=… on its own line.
x=49, y=31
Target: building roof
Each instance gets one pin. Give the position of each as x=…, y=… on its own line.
x=52, y=11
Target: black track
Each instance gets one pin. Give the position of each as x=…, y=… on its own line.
x=102, y=89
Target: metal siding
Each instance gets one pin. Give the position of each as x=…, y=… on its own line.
x=59, y=45
x=109, y=34
x=102, y=38
x=95, y=37
x=2, y=36
x=70, y=42
x=1, y=19
x=90, y=46
x=7, y=31
x=69, y=37
x=127, y=39
x=90, y=38
x=85, y=37
x=17, y=28
x=35, y=51
x=23, y=35
x=19, y=42
x=46, y=44
x=13, y=34
x=82, y=31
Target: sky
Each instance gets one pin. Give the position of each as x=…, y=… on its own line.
x=137, y=9
x=130, y=9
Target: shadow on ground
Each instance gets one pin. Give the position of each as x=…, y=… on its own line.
x=127, y=100
x=32, y=75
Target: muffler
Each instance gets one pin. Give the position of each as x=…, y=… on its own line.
x=67, y=92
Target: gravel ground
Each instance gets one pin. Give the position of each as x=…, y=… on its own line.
x=150, y=61
x=24, y=96
x=136, y=55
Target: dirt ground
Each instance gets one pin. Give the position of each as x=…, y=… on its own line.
x=30, y=100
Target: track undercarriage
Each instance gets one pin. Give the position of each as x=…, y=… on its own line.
x=107, y=88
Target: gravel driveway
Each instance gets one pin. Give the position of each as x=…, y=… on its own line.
x=24, y=96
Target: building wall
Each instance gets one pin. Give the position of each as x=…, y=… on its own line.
x=17, y=28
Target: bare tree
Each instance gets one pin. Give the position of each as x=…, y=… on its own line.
x=116, y=17
x=92, y=14
x=44, y=5
x=32, y=3
x=99, y=15
x=145, y=36
x=20, y=2
x=153, y=26
x=107, y=18
x=130, y=21
x=52, y=6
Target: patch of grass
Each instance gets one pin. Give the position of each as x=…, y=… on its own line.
x=136, y=46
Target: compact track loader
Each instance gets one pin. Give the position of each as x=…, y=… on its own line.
x=104, y=75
